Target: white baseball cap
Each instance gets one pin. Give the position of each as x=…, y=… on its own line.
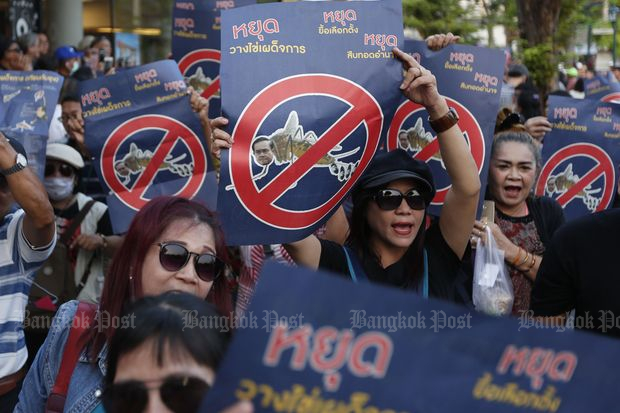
x=64, y=153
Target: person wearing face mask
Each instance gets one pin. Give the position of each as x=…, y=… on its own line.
x=68, y=60
x=94, y=236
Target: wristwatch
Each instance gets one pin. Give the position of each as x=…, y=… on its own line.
x=445, y=122
x=21, y=162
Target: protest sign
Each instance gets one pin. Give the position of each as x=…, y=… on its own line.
x=306, y=87
x=196, y=44
x=373, y=348
x=470, y=78
x=603, y=89
x=581, y=155
x=27, y=104
x=145, y=139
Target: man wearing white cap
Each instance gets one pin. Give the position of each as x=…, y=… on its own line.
x=27, y=238
x=94, y=234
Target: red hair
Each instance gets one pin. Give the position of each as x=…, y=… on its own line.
x=146, y=227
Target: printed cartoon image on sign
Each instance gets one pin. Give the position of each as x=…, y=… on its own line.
x=34, y=115
x=200, y=82
x=136, y=160
x=417, y=138
x=287, y=144
x=565, y=180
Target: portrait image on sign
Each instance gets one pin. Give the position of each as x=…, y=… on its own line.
x=269, y=159
x=411, y=131
x=152, y=150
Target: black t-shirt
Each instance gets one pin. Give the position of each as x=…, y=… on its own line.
x=579, y=270
x=443, y=265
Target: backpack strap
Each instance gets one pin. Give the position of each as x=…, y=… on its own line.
x=75, y=222
x=357, y=272
x=355, y=267
x=80, y=324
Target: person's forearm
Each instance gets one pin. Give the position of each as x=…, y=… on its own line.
x=456, y=155
x=31, y=196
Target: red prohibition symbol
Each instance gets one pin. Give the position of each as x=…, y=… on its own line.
x=364, y=110
x=467, y=123
x=174, y=130
x=603, y=167
x=198, y=56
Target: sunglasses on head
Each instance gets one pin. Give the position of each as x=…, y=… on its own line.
x=64, y=169
x=390, y=199
x=180, y=394
x=174, y=256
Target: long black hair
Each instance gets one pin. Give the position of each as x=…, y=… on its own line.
x=360, y=235
x=179, y=325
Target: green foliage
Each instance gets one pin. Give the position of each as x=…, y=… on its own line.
x=541, y=63
x=439, y=16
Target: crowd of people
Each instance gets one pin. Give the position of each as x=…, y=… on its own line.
x=60, y=258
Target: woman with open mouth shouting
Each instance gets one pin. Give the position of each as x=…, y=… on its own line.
x=524, y=223
x=388, y=241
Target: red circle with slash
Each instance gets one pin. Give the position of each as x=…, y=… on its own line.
x=604, y=166
x=611, y=98
x=467, y=123
x=198, y=56
x=174, y=130
x=364, y=110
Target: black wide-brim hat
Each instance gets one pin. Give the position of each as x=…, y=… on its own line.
x=391, y=166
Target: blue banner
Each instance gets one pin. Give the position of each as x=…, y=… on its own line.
x=368, y=348
x=27, y=104
x=145, y=139
x=581, y=155
x=603, y=89
x=196, y=44
x=470, y=78
x=307, y=87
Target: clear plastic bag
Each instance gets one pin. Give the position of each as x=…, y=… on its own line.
x=492, y=291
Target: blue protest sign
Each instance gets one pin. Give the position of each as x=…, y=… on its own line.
x=471, y=79
x=371, y=348
x=27, y=105
x=309, y=117
x=581, y=155
x=196, y=44
x=145, y=139
x=603, y=89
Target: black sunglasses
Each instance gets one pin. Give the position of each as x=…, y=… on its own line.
x=174, y=256
x=64, y=169
x=390, y=199
x=180, y=394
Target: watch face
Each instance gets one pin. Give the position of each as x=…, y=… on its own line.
x=21, y=160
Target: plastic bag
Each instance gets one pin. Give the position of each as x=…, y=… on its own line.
x=492, y=292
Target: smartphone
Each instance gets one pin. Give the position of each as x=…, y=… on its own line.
x=488, y=212
x=108, y=62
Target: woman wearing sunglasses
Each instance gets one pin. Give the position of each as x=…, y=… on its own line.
x=173, y=244
x=159, y=364
x=388, y=242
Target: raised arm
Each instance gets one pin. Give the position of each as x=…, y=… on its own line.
x=39, y=225
x=459, y=209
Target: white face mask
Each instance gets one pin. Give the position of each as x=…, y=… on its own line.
x=58, y=188
x=75, y=67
